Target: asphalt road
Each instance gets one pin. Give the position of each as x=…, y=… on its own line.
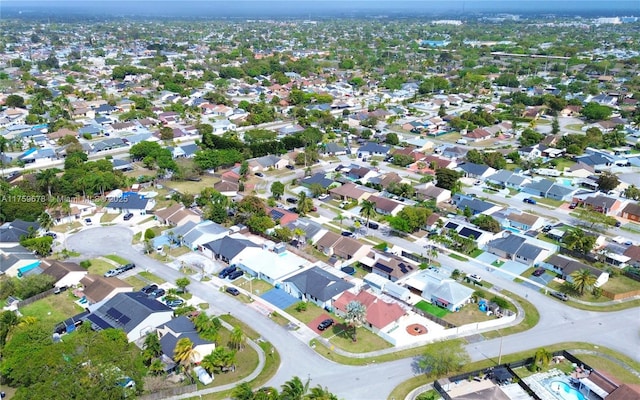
x=558, y=323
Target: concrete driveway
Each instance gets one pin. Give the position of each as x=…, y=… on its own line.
x=512, y=267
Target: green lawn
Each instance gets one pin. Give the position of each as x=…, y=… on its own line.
x=621, y=284
x=498, y=263
x=117, y=259
x=255, y=286
x=52, y=309
x=136, y=282
x=467, y=315
x=341, y=336
x=432, y=309
x=562, y=163
x=457, y=257
x=151, y=277
x=190, y=187
x=312, y=312
x=549, y=202
x=99, y=267
x=475, y=253
x=246, y=363
x=107, y=218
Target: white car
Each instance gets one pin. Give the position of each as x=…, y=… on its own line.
x=323, y=196
x=475, y=277
x=88, y=221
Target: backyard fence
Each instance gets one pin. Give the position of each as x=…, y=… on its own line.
x=35, y=298
x=620, y=296
x=166, y=393
x=432, y=317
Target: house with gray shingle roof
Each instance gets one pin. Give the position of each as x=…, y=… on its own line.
x=521, y=249
x=316, y=285
x=226, y=248
x=476, y=171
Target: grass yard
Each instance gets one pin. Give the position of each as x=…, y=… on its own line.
x=612, y=368
x=136, y=282
x=312, y=312
x=457, y=257
x=432, y=309
x=99, y=267
x=562, y=163
x=191, y=187
x=467, y=315
x=574, y=127
x=621, y=284
x=498, y=263
x=341, y=336
x=549, y=202
x=52, y=309
x=178, y=251
x=117, y=259
x=107, y=218
x=257, y=286
x=278, y=319
x=475, y=253
x=246, y=363
x=62, y=228
x=151, y=277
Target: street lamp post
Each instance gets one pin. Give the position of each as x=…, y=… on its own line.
x=500, y=350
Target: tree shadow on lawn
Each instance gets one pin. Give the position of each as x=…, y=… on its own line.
x=342, y=330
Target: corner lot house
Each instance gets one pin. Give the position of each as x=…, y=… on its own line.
x=316, y=285
x=130, y=202
x=269, y=265
x=566, y=266
x=381, y=316
x=180, y=328
x=134, y=313
x=436, y=286
x=519, y=248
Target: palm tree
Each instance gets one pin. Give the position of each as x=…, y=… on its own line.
x=340, y=218
x=299, y=234
x=356, y=316
x=152, y=344
x=294, y=389
x=156, y=367
x=305, y=204
x=243, y=391
x=218, y=360
x=66, y=208
x=583, y=279
x=46, y=178
x=542, y=357
x=236, y=340
x=320, y=393
x=45, y=221
x=368, y=210
x=184, y=353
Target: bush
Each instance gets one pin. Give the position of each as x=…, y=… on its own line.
x=149, y=234
x=502, y=303
x=87, y=136
x=85, y=264
x=301, y=306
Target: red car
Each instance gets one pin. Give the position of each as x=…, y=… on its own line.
x=538, y=272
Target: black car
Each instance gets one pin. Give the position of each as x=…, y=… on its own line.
x=347, y=233
x=126, y=267
x=235, y=274
x=174, y=303
x=157, y=293
x=233, y=291
x=290, y=167
x=538, y=272
x=60, y=289
x=260, y=174
x=547, y=228
x=127, y=216
x=325, y=324
x=292, y=200
x=51, y=234
x=225, y=272
x=149, y=288
x=373, y=225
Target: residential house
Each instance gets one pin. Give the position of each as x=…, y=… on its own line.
x=566, y=266
x=474, y=204
x=362, y=174
x=475, y=171
x=603, y=204
x=11, y=232
x=386, y=206
x=267, y=162
x=98, y=288
x=272, y=264
x=524, y=221
x=227, y=188
x=342, y=247
x=429, y=191
x=388, y=265
x=37, y=156
x=319, y=178
x=130, y=203
x=631, y=211
x=64, y=273
x=316, y=285
x=452, y=152
x=60, y=133
x=313, y=231
x=134, y=313
x=386, y=180
x=226, y=248
x=436, y=286
x=434, y=162
x=378, y=284
x=519, y=248
x=334, y=149
x=182, y=328
x=281, y=216
x=222, y=126
x=478, y=135
x=469, y=231
x=351, y=192
x=373, y=149
x=532, y=152
x=381, y=316
x=199, y=233
x=580, y=170
x=16, y=260
x=549, y=189
x=633, y=252
x=176, y=215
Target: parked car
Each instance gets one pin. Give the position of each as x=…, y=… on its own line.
x=232, y=291
x=174, y=303
x=475, y=278
x=157, y=293
x=112, y=272
x=538, y=272
x=235, y=274
x=88, y=221
x=60, y=289
x=323, y=196
x=126, y=267
x=292, y=200
x=51, y=234
x=373, y=225
x=149, y=288
x=618, y=224
x=325, y=324
x=260, y=174
x=226, y=271
x=347, y=233
x=127, y=216
x=547, y=228
x=291, y=167
x=560, y=295
x=529, y=200
x=573, y=205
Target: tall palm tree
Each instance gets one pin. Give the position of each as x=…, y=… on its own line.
x=45, y=221
x=184, y=353
x=368, y=210
x=47, y=178
x=66, y=208
x=356, y=316
x=237, y=338
x=542, y=357
x=305, y=204
x=583, y=279
x=299, y=234
x=294, y=389
x=243, y=391
x=340, y=218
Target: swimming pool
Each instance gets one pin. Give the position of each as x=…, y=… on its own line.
x=564, y=391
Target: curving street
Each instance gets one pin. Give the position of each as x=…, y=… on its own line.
x=558, y=323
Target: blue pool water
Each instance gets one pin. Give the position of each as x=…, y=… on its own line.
x=564, y=391
x=566, y=182
x=514, y=230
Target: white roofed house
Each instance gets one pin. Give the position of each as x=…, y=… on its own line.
x=269, y=265
x=437, y=287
